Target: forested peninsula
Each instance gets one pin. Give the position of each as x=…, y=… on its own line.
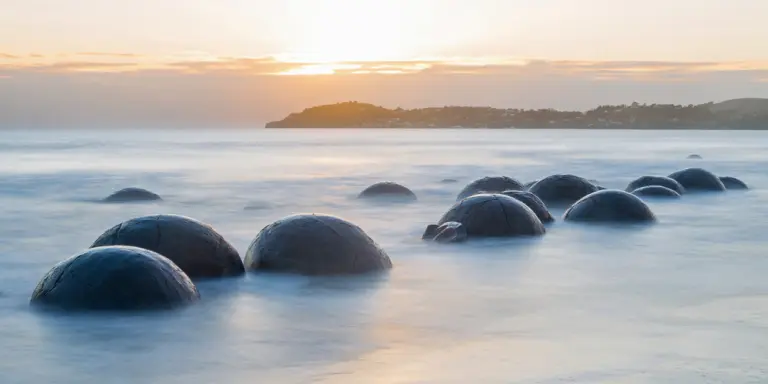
x=734, y=114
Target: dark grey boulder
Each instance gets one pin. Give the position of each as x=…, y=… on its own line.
x=663, y=181
x=533, y=202
x=610, y=205
x=655, y=191
x=697, y=179
x=387, y=189
x=430, y=232
x=562, y=189
x=132, y=194
x=491, y=184
x=115, y=278
x=494, y=215
x=695, y=157
x=449, y=232
x=733, y=183
x=449, y=181
x=195, y=247
x=315, y=245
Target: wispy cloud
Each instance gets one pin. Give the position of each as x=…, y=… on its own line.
x=8, y=56
x=265, y=66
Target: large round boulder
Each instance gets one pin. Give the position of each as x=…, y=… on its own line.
x=733, y=183
x=610, y=205
x=315, y=245
x=663, y=181
x=115, y=278
x=494, y=215
x=697, y=179
x=655, y=191
x=491, y=184
x=389, y=190
x=562, y=189
x=195, y=247
x=132, y=194
x=533, y=202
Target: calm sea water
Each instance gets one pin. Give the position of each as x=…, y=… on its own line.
x=684, y=301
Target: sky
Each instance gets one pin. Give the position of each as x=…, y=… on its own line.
x=244, y=61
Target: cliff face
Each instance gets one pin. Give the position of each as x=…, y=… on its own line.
x=635, y=116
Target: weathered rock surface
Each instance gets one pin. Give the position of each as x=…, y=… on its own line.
x=315, y=245
x=195, y=247
x=115, y=278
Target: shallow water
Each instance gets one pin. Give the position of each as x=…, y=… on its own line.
x=683, y=301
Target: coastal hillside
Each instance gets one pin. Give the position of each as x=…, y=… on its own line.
x=742, y=107
x=731, y=114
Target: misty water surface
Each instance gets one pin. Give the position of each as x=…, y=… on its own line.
x=683, y=301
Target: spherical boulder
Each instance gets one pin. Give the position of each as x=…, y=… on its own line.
x=387, y=189
x=655, y=191
x=449, y=232
x=733, y=183
x=663, y=181
x=494, y=215
x=491, y=184
x=533, y=202
x=697, y=179
x=195, y=247
x=562, y=189
x=115, y=278
x=311, y=244
x=132, y=194
x=610, y=205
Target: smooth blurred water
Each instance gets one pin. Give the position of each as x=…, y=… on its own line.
x=683, y=301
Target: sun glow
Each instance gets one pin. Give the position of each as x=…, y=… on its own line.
x=353, y=30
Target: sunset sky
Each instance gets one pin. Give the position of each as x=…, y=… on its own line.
x=239, y=61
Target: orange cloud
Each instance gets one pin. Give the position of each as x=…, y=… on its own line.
x=268, y=66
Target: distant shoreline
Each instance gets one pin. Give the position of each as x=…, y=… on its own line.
x=737, y=114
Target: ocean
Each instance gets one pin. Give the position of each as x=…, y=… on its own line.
x=681, y=301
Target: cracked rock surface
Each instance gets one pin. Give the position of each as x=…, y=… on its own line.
x=115, y=278
x=562, y=189
x=645, y=181
x=610, y=205
x=314, y=244
x=490, y=184
x=194, y=246
x=533, y=202
x=494, y=215
x=698, y=179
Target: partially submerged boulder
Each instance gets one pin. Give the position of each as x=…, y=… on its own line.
x=115, y=278
x=610, y=205
x=132, y=194
x=387, y=189
x=491, y=184
x=656, y=191
x=697, y=179
x=694, y=157
x=195, y=247
x=313, y=244
x=663, y=181
x=562, y=189
x=733, y=183
x=533, y=202
x=494, y=215
x=448, y=232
